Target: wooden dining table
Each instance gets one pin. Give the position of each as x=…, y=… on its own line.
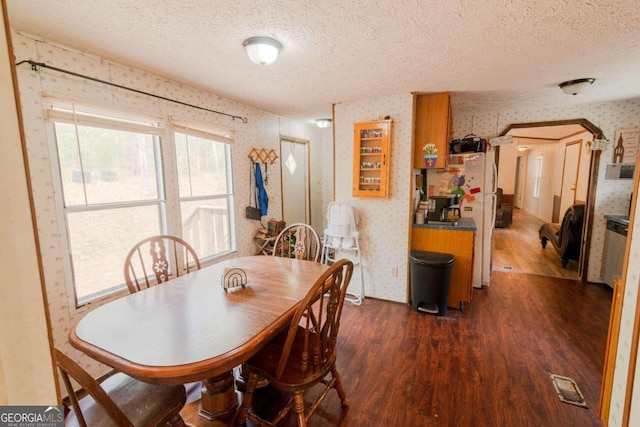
x=190, y=329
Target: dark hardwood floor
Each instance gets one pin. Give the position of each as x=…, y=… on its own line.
x=488, y=365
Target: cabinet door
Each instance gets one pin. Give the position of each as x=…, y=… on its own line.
x=460, y=244
x=432, y=126
x=371, y=159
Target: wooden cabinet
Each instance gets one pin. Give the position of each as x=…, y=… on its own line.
x=371, y=158
x=432, y=125
x=460, y=244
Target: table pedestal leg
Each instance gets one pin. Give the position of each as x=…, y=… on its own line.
x=219, y=399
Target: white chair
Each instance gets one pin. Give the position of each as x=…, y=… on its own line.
x=297, y=241
x=341, y=239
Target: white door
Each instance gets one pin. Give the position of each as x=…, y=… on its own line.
x=520, y=174
x=569, y=176
x=294, y=161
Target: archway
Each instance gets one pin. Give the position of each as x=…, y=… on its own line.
x=557, y=130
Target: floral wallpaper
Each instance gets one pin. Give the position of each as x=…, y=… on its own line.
x=384, y=223
x=263, y=129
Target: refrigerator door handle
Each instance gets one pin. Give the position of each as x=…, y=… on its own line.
x=494, y=199
x=495, y=177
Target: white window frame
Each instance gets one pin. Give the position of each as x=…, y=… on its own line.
x=537, y=178
x=216, y=134
x=168, y=201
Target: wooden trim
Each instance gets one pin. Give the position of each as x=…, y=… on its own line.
x=633, y=355
x=36, y=238
x=412, y=187
x=611, y=350
x=592, y=187
x=595, y=130
x=614, y=332
x=333, y=143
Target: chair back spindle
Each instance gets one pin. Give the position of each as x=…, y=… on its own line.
x=158, y=259
x=298, y=241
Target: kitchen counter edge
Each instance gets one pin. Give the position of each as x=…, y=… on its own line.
x=464, y=224
x=620, y=219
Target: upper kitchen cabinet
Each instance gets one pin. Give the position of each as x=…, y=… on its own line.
x=371, y=158
x=433, y=125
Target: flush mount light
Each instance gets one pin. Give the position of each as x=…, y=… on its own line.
x=323, y=123
x=262, y=50
x=522, y=148
x=574, y=87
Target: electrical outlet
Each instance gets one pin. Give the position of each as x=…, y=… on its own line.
x=394, y=271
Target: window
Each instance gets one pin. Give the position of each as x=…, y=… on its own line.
x=115, y=192
x=537, y=178
x=206, y=200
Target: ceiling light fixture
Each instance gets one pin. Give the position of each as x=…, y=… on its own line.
x=574, y=87
x=522, y=148
x=323, y=123
x=262, y=50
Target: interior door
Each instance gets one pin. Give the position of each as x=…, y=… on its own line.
x=569, y=176
x=520, y=174
x=294, y=161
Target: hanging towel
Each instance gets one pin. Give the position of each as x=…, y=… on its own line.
x=263, y=198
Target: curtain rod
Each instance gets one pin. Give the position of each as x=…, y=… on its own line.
x=35, y=65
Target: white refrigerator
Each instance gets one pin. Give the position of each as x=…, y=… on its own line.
x=474, y=177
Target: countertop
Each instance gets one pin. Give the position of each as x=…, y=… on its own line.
x=620, y=219
x=464, y=224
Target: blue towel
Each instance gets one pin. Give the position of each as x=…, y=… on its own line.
x=263, y=198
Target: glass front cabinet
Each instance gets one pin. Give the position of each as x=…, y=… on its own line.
x=371, y=158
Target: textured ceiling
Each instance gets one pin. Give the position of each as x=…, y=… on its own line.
x=498, y=53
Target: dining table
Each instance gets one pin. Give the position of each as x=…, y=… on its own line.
x=193, y=329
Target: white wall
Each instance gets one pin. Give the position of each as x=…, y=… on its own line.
x=26, y=369
x=383, y=223
x=507, y=167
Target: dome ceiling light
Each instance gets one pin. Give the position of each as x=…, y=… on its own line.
x=262, y=50
x=574, y=87
x=323, y=123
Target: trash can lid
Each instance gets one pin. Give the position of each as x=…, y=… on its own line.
x=433, y=259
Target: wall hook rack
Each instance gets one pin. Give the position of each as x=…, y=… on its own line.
x=263, y=155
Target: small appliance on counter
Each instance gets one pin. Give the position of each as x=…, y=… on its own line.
x=444, y=208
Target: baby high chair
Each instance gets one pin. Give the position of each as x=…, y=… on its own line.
x=341, y=239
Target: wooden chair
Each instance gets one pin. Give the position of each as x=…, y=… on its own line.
x=119, y=400
x=158, y=259
x=298, y=241
x=304, y=354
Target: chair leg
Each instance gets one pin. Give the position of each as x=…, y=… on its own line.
x=339, y=387
x=241, y=415
x=298, y=400
x=176, y=421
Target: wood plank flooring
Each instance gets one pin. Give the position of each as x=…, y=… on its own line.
x=517, y=249
x=488, y=365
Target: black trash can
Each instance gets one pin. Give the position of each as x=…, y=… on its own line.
x=430, y=281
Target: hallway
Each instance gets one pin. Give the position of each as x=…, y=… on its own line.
x=517, y=249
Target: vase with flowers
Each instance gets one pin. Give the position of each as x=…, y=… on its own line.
x=430, y=155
